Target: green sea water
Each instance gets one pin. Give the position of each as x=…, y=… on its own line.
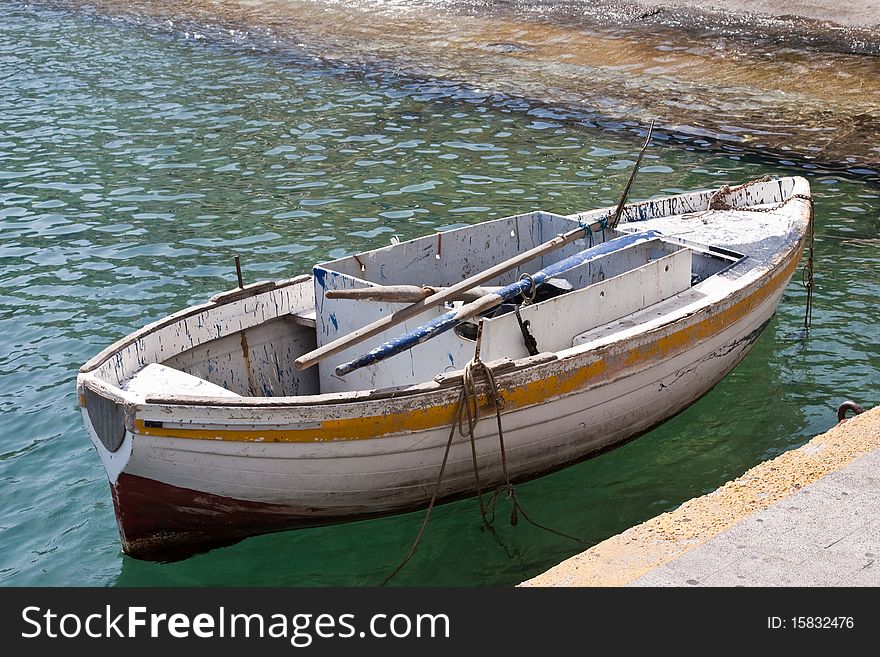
x=134, y=164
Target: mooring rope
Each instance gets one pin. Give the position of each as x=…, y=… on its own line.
x=415, y=545
x=467, y=415
x=497, y=400
x=471, y=398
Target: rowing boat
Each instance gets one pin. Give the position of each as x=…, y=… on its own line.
x=298, y=403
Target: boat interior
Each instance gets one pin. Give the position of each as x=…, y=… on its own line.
x=278, y=325
x=245, y=341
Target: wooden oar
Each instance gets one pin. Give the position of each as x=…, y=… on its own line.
x=455, y=317
x=403, y=293
x=395, y=318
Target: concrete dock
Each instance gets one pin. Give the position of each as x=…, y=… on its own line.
x=810, y=517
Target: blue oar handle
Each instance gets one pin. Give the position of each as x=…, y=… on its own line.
x=452, y=318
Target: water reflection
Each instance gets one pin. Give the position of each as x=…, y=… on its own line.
x=778, y=85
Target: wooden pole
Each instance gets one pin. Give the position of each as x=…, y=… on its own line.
x=365, y=332
x=632, y=176
x=238, y=272
x=402, y=293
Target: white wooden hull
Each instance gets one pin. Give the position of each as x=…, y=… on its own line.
x=191, y=474
x=338, y=479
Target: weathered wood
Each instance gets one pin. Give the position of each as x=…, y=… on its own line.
x=304, y=318
x=368, y=331
x=403, y=293
x=447, y=380
x=206, y=324
x=262, y=366
x=173, y=382
x=455, y=317
x=556, y=323
x=243, y=292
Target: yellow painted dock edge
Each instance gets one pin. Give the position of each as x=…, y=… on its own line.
x=625, y=557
